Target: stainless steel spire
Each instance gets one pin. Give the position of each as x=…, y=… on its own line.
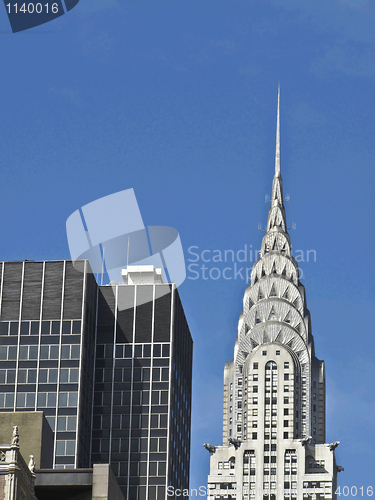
x=277, y=155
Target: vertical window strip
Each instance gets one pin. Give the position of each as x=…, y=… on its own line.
x=40, y=340
x=19, y=336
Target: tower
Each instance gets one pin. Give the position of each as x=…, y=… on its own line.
x=274, y=389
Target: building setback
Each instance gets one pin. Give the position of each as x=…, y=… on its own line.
x=274, y=389
x=110, y=367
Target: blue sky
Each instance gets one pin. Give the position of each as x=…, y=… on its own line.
x=177, y=100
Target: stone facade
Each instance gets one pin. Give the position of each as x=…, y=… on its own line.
x=16, y=477
x=274, y=389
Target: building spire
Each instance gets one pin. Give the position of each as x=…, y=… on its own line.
x=276, y=236
x=277, y=155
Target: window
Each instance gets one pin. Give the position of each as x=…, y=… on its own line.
x=47, y=399
x=255, y=377
x=286, y=401
x=286, y=435
x=66, y=423
x=70, y=351
x=286, y=423
x=26, y=376
x=49, y=352
x=240, y=381
x=255, y=388
x=255, y=424
x=68, y=398
x=254, y=435
x=286, y=388
x=255, y=401
x=255, y=412
x=65, y=447
x=48, y=375
x=239, y=404
x=264, y=353
x=255, y=366
x=69, y=375
x=25, y=400
x=26, y=352
x=286, y=411
x=286, y=376
x=286, y=365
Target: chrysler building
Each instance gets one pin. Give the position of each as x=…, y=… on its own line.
x=274, y=389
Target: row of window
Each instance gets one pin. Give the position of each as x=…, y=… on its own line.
x=47, y=327
x=137, y=445
x=137, y=351
x=44, y=400
x=222, y=486
x=46, y=375
x=30, y=352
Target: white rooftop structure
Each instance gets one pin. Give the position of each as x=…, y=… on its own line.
x=142, y=275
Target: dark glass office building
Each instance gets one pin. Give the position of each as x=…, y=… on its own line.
x=110, y=366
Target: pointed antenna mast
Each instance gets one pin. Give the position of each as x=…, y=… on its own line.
x=277, y=155
x=103, y=265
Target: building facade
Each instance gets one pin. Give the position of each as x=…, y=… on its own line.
x=274, y=389
x=110, y=366
x=142, y=400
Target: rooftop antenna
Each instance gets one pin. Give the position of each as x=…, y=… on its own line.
x=103, y=264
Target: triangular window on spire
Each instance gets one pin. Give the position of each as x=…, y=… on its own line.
x=272, y=315
x=247, y=328
x=263, y=273
x=287, y=318
x=254, y=344
x=279, y=337
x=273, y=270
x=257, y=318
x=283, y=273
x=290, y=343
x=260, y=294
x=286, y=293
x=275, y=247
x=298, y=327
x=296, y=302
x=250, y=303
x=273, y=291
x=283, y=250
